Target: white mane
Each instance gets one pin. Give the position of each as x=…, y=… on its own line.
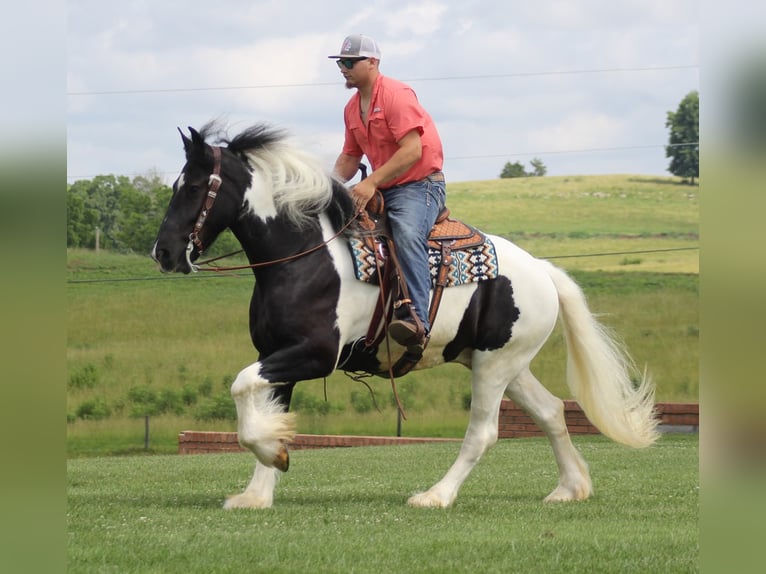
x=289, y=182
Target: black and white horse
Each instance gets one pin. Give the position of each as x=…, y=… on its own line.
x=307, y=311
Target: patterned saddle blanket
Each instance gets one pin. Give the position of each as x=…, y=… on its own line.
x=472, y=254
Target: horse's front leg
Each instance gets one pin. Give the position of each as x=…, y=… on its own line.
x=259, y=493
x=265, y=427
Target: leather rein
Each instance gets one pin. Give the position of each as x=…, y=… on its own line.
x=214, y=184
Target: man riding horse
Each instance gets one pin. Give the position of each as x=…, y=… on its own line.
x=385, y=122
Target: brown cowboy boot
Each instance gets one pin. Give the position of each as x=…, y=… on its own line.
x=406, y=332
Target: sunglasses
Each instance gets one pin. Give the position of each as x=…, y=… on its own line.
x=348, y=63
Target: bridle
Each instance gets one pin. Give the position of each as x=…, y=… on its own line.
x=214, y=184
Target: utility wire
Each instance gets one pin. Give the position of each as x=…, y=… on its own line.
x=563, y=151
x=411, y=80
x=473, y=157
x=217, y=276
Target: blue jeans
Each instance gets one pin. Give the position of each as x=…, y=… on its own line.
x=412, y=210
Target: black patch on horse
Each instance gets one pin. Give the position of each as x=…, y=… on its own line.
x=488, y=321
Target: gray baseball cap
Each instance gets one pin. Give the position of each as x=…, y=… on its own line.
x=358, y=46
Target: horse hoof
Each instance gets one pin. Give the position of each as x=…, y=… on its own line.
x=246, y=500
x=426, y=500
x=562, y=494
x=282, y=460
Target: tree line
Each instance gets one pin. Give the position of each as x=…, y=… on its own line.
x=122, y=214
x=115, y=212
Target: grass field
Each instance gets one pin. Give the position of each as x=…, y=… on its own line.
x=630, y=241
x=344, y=510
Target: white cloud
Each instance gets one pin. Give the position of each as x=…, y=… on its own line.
x=577, y=131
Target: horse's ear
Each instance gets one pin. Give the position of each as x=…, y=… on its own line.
x=197, y=139
x=187, y=141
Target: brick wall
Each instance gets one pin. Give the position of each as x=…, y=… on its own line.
x=512, y=423
x=515, y=423
x=199, y=442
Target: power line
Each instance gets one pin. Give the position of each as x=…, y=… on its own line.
x=473, y=157
x=157, y=278
x=217, y=276
x=584, y=150
x=411, y=80
x=623, y=252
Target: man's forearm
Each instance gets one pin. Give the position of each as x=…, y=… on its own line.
x=346, y=167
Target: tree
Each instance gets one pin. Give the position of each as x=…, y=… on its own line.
x=513, y=170
x=516, y=169
x=683, y=148
x=538, y=167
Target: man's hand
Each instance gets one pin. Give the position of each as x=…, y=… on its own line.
x=362, y=193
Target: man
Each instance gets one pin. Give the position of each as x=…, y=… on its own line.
x=385, y=122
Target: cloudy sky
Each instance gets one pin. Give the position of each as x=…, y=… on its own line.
x=584, y=85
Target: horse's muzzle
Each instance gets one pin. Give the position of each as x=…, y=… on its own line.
x=169, y=264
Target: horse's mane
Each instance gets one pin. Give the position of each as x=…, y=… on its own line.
x=298, y=183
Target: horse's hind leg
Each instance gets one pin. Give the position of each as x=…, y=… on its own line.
x=486, y=393
x=547, y=411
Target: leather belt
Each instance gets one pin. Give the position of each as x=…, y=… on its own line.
x=436, y=176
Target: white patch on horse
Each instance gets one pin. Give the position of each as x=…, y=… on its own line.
x=259, y=200
x=292, y=183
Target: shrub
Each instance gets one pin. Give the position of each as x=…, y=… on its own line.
x=205, y=388
x=93, y=410
x=86, y=377
x=170, y=401
x=189, y=395
x=146, y=401
x=219, y=407
x=309, y=404
x=361, y=401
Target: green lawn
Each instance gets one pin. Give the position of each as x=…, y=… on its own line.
x=344, y=510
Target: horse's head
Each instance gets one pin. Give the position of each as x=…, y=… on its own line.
x=207, y=197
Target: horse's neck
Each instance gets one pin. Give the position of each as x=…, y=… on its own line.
x=274, y=240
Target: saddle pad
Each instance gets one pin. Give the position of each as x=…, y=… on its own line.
x=469, y=265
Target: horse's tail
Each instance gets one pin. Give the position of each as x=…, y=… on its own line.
x=599, y=372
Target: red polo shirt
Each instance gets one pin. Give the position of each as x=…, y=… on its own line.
x=394, y=112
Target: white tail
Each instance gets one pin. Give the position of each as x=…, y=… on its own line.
x=599, y=372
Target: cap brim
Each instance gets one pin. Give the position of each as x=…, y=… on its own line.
x=354, y=57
